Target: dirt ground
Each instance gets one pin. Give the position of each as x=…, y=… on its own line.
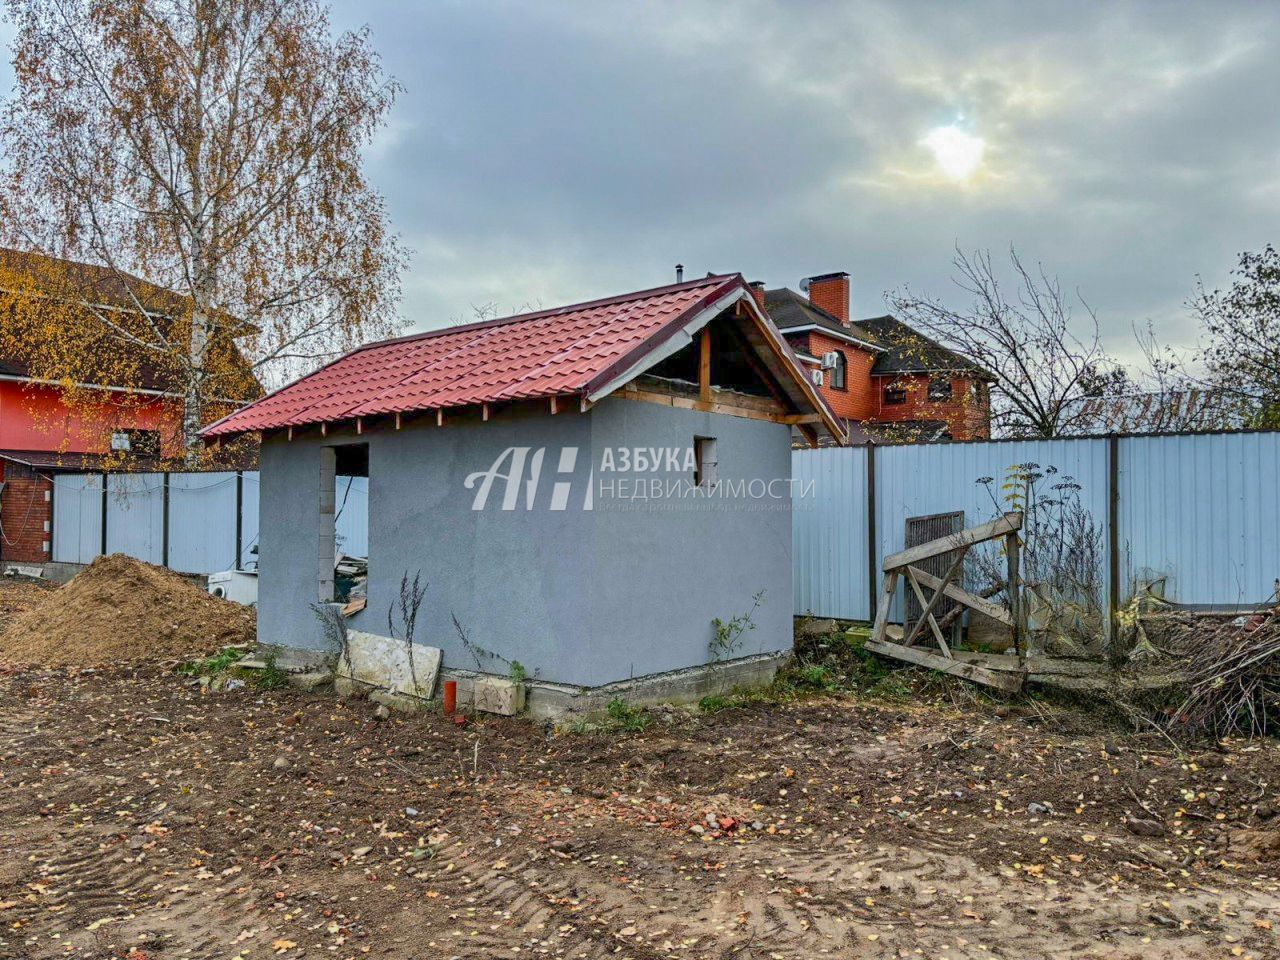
x=146, y=819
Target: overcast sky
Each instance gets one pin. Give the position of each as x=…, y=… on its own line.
x=546, y=151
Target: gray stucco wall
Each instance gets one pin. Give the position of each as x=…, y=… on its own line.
x=625, y=589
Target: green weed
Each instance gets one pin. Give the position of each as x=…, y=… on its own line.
x=716, y=702
x=218, y=663
x=270, y=677
x=629, y=718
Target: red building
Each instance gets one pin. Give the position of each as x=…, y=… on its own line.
x=41, y=434
x=48, y=427
x=889, y=382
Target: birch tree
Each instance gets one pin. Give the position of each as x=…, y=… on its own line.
x=206, y=155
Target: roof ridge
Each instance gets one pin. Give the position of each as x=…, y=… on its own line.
x=645, y=294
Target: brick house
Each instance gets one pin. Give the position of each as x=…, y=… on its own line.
x=889, y=382
x=42, y=433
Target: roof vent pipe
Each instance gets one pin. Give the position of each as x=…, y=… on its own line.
x=679, y=273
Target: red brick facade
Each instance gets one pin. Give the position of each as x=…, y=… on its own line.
x=966, y=414
x=26, y=514
x=35, y=419
x=863, y=398
x=858, y=400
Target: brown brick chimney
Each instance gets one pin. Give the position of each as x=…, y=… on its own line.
x=757, y=291
x=830, y=292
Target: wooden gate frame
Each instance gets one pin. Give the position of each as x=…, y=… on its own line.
x=1002, y=672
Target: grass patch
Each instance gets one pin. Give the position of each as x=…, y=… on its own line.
x=218, y=663
x=716, y=702
x=627, y=717
x=270, y=677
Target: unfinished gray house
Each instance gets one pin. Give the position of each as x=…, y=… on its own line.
x=583, y=490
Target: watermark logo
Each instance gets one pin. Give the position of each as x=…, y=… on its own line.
x=624, y=476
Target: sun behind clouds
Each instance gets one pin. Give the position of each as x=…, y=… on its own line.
x=958, y=154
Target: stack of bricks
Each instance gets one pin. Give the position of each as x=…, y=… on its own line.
x=26, y=515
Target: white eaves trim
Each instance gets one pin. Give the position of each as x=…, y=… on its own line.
x=684, y=336
x=90, y=386
x=834, y=334
x=141, y=391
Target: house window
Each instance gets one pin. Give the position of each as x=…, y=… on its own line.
x=706, y=463
x=839, y=370
x=137, y=443
x=894, y=395
x=939, y=389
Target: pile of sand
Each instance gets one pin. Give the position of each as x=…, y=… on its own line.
x=121, y=609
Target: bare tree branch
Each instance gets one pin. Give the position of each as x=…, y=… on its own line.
x=1042, y=356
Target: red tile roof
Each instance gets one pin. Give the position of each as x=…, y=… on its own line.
x=568, y=350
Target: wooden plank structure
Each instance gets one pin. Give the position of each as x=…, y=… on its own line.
x=1000, y=671
x=918, y=530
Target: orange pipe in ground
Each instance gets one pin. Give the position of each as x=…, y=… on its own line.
x=450, y=697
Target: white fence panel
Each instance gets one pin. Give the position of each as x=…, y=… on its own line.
x=77, y=517
x=135, y=515
x=202, y=527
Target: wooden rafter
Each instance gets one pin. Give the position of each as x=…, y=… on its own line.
x=704, y=365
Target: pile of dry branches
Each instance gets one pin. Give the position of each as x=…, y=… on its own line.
x=1232, y=684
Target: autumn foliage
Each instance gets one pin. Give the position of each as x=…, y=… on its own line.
x=192, y=169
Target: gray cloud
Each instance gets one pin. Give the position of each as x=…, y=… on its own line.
x=548, y=152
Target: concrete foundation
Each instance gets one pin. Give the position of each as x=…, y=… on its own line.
x=561, y=701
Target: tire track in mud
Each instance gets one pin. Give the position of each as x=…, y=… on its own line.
x=93, y=885
x=97, y=889
x=536, y=897
x=838, y=898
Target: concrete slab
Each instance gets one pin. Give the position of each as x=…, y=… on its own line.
x=310, y=681
x=498, y=695
x=384, y=663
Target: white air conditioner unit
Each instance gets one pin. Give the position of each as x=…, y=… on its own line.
x=817, y=377
x=829, y=360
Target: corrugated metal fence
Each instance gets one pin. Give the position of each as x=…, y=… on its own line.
x=1201, y=511
x=192, y=522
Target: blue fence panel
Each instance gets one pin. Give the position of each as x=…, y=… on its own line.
x=829, y=533
x=202, y=518
x=202, y=529
x=913, y=481
x=135, y=515
x=77, y=517
x=1203, y=513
